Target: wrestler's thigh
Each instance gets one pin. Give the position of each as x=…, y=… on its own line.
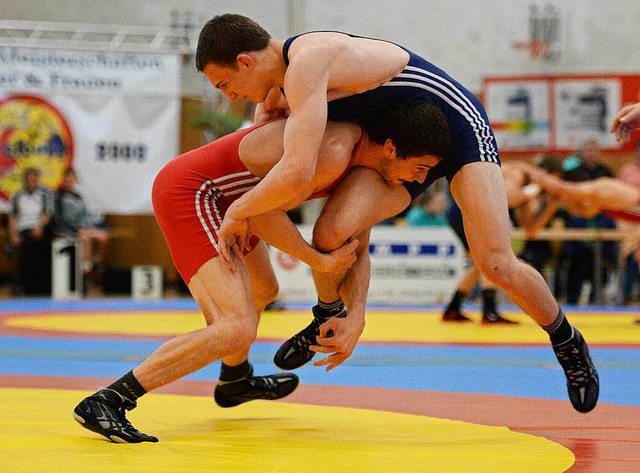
x=479, y=191
x=222, y=294
x=361, y=200
x=263, y=278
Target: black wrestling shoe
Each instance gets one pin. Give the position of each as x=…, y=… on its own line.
x=272, y=387
x=495, y=318
x=295, y=352
x=583, y=383
x=454, y=315
x=104, y=414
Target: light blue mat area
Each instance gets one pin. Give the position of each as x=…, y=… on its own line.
x=187, y=303
x=509, y=371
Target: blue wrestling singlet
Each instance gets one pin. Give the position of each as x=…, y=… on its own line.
x=471, y=134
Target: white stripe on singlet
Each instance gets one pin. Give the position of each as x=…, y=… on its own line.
x=456, y=99
x=210, y=191
x=202, y=200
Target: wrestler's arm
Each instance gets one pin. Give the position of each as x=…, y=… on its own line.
x=274, y=106
x=276, y=228
x=306, y=83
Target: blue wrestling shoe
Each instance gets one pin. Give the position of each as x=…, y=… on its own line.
x=583, y=383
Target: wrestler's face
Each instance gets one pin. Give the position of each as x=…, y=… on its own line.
x=397, y=170
x=239, y=82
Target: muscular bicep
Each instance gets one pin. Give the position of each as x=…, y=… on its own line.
x=307, y=97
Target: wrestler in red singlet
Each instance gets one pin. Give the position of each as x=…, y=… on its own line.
x=192, y=193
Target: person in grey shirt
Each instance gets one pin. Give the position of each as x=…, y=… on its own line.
x=29, y=218
x=72, y=219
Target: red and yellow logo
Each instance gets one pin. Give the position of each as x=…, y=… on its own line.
x=33, y=133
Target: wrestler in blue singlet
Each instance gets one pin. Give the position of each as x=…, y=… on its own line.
x=471, y=134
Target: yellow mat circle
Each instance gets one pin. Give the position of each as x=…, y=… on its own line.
x=37, y=433
x=419, y=327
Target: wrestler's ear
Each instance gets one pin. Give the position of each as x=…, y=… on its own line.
x=389, y=149
x=245, y=60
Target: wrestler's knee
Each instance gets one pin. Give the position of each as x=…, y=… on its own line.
x=329, y=235
x=499, y=267
x=239, y=334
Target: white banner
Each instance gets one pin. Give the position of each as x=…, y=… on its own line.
x=41, y=71
x=114, y=117
x=121, y=144
x=412, y=266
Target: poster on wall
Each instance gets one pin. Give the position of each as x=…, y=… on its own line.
x=584, y=110
x=114, y=117
x=557, y=113
x=519, y=113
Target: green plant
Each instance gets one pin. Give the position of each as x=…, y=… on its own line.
x=216, y=123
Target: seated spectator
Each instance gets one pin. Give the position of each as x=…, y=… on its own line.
x=428, y=210
x=29, y=219
x=72, y=219
x=589, y=162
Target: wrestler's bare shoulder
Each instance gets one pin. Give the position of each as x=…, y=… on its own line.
x=355, y=64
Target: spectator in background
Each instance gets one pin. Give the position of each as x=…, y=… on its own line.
x=589, y=165
x=577, y=257
x=73, y=220
x=29, y=219
x=428, y=210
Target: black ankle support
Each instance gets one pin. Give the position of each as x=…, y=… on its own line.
x=234, y=373
x=328, y=309
x=128, y=386
x=560, y=330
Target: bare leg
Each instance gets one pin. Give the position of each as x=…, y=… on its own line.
x=265, y=289
x=362, y=200
x=479, y=191
x=225, y=300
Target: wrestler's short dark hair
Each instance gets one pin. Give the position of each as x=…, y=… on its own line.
x=416, y=128
x=226, y=36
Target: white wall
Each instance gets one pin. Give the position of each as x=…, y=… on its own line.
x=468, y=38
